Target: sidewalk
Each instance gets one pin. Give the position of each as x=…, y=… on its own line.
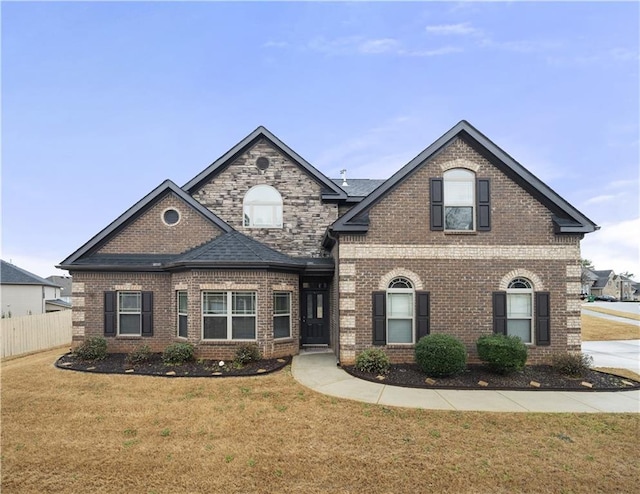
x=319, y=372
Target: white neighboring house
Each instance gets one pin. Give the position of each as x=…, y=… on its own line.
x=24, y=293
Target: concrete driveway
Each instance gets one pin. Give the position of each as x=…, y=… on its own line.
x=622, y=354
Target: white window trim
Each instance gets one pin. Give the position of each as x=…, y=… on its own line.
x=185, y=314
x=129, y=312
x=281, y=315
x=277, y=209
x=413, y=305
x=522, y=291
x=229, y=315
x=448, y=204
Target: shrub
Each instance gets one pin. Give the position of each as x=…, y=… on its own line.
x=247, y=353
x=572, y=364
x=373, y=360
x=178, y=353
x=440, y=355
x=139, y=355
x=92, y=349
x=502, y=354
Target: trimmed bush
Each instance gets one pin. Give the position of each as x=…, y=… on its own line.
x=247, y=353
x=92, y=349
x=502, y=354
x=139, y=355
x=440, y=355
x=571, y=364
x=373, y=360
x=178, y=353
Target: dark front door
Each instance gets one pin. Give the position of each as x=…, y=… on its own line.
x=315, y=316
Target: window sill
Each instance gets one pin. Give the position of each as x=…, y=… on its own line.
x=129, y=337
x=225, y=342
x=401, y=345
x=460, y=232
x=283, y=340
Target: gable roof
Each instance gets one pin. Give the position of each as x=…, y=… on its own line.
x=13, y=275
x=331, y=190
x=137, y=209
x=603, y=277
x=567, y=219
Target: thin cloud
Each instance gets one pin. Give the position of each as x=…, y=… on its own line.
x=461, y=29
x=275, y=44
x=383, y=45
x=373, y=46
x=600, y=199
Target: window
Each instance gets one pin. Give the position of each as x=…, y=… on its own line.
x=262, y=207
x=129, y=313
x=229, y=315
x=183, y=310
x=171, y=217
x=400, y=311
x=520, y=309
x=459, y=199
x=282, y=315
x=459, y=202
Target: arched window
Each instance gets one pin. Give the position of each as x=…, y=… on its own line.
x=520, y=309
x=459, y=199
x=400, y=296
x=262, y=207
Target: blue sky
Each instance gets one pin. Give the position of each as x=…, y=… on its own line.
x=103, y=101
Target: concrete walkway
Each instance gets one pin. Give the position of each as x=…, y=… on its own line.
x=319, y=372
x=619, y=354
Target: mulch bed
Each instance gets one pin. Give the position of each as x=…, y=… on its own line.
x=116, y=363
x=409, y=375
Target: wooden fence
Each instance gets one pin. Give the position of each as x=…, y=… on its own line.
x=33, y=333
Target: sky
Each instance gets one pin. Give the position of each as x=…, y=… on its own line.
x=101, y=102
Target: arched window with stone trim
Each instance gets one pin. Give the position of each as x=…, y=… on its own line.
x=400, y=313
x=520, y=311
x=262, y=207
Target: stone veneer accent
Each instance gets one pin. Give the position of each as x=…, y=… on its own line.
x=305, y=215
x=521, y=273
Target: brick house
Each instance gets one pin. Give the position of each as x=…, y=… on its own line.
x=262, y=247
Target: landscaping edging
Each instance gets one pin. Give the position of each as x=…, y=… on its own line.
x=116, y=364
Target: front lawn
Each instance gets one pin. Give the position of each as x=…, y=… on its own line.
x=80, y=432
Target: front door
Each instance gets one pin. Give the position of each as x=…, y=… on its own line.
x=315, y=316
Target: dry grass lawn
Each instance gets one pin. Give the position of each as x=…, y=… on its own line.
x=611, y=312
x=71, y=432
x=598, y=329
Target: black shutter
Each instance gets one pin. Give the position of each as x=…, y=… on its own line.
x=500, y=312
x=379, y=318
x=543, y=322
x=484, y=205
x=147, y=313
x=110, y=313
x=423, y=308
x=437, y=204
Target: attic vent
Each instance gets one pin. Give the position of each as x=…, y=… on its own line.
x=170, y=216
x=262, y=163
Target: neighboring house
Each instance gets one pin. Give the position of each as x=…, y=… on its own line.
x=625, y=287
x=64, y=282
x=588, y=278
x=262, y=247
x=605, y=284
x=24, y=293
x=635, y=295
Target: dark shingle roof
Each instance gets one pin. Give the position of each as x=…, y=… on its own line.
x=358, y=187
x=128, y=262
x=603, y=278
x=64, y=282
x=236, y=248
x=13, y=275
